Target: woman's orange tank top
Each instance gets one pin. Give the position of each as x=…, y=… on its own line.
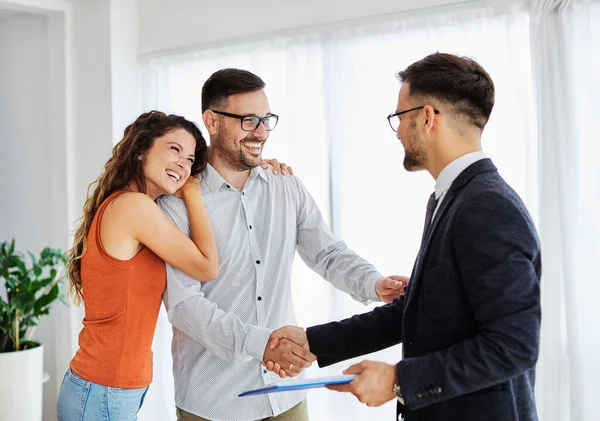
x=122, y=299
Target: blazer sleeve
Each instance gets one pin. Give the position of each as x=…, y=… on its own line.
x=361, y=334
x=498, y=258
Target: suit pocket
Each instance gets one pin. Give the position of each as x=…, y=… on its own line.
x=441, y=300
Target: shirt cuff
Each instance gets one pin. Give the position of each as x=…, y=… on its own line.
x=401, y=397
x=256, y=341
x=371, y=287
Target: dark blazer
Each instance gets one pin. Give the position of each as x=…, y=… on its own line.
x=470, y=319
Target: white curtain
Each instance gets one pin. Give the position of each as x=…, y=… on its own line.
x=565, y=43
x=333, y=88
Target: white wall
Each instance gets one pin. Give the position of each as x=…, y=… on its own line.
x=105, y=85
x=91, y=109
x=126, y=81
x=173, y=24
x=25, y=186
x=33, y=162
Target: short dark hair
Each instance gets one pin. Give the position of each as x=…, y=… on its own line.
x=225, y=82
x=458, y=81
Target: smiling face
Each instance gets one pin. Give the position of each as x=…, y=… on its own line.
x=239, y=149
x=167, y=164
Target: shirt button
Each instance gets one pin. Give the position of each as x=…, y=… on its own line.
x=243, y=194
x=258, y=262
x=259, y=298
x=228, y=186
x=265, y=371
x=250, y=226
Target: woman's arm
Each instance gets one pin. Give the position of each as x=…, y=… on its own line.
x=196, y=256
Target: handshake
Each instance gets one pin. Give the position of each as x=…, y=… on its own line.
x=287, y=352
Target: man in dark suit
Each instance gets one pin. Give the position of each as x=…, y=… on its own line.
x=470, y=319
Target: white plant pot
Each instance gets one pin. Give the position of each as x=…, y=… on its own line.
x=21, y=376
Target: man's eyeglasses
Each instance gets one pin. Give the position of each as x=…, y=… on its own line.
x=250, y=122
x=394, y=118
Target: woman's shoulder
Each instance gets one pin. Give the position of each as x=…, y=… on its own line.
x=130, y=204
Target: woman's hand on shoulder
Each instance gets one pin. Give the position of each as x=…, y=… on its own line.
x=277, y=166
x=191, y=186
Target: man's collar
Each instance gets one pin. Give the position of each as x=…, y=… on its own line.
x=454, y=169
x=215, y=181
x=259, y=171
x=212, y=178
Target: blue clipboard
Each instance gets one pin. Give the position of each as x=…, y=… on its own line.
x=286, y=385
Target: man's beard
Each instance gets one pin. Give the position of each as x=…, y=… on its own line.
x=236, y=159
x=415, y=154
x=414, y=160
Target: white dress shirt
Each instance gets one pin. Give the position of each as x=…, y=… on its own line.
x=451, y=172
x=221, y=328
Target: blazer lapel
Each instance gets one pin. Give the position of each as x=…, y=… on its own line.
x=462, y=180
x=423, y=251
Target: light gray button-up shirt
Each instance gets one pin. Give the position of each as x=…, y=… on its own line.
x=221, y=328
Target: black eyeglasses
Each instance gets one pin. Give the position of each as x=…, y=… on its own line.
x=394, y=118
x=250, y=122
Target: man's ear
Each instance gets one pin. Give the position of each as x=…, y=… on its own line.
x=429, y=114
x=211, y=122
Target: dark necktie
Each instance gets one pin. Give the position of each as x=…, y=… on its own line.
x=431, y=205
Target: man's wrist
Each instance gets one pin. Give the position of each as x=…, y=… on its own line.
x=372, y=286
x=397, y=389
x=257, y=340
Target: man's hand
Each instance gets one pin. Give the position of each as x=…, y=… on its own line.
x=391, y=287
x=373, y=385
x=287, y=352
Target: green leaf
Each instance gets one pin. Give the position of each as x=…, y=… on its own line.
x=40, y=284
x=46, y=299
x=45, y=253
x=23, y=299
x=13, y=260
x=27, y=308
x=29, y=345
x=11, y=281
x=37, y=270
x=4, y=307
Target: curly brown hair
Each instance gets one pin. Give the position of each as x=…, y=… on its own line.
x=123, y=168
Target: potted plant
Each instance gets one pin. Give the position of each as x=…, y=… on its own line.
x=28, y=292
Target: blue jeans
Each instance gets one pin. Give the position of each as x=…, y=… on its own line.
x=82, y=400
